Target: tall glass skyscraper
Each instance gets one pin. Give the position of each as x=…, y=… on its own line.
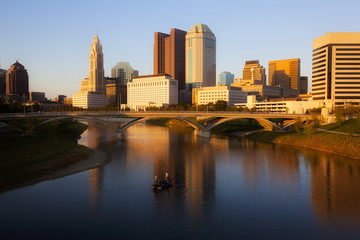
x=124, y=72
x=225, y=78
x=200, y=50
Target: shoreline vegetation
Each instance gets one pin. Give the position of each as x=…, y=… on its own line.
x=309, y=137
x=44, y=153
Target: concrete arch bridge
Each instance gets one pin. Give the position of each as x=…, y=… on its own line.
x=200, y=130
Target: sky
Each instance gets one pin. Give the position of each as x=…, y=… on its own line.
x=52, y=39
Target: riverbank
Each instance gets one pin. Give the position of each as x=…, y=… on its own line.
x=342, y=145
x=29, y=159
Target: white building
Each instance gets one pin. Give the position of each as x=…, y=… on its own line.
x=92, y=89
x=89, y=99
x=293, y=107
x=231, y=95
x=152, y=90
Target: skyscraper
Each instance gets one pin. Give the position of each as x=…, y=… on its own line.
x=92, y=90
x=96, y=70
x=17, y=82
x=169, y=55
x=2, y=82
x=253, y=73
x=200, y=48
x=336, y=67
x=124, y=72
x=225, y=78
x=285, y=73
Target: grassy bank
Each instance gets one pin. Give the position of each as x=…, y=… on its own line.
x=24, y=158
x=333, y=143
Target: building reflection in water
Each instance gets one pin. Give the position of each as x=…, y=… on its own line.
x=191, y=162
x=335, y=190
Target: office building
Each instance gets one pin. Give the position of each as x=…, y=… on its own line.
x=117, y=94
x=285, y=73
x=304, y=85
x=225, y=78
x=92, y=89
x=17, y=82
x=2, y=82
x=96, y=70
x=293, y=107
x=261, y=91
x=123, y=72
x=200, y=63
x=336, y=67
x=152, y=90
x=229, y=94
x=253, y=73
x=169, y=55
x=37, y=96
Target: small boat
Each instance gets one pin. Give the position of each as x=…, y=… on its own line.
x=162, y=185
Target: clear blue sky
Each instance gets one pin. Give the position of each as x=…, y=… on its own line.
x=52, y=38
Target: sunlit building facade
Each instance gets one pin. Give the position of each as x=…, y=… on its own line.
x=285, y=73
x=152, y=90
x=200, y=48
x=253, y=73
x=231, y=95
x=336, y=67
x=169, y=55
x=92, y=89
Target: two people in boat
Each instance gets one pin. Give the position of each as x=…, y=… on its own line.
x=166, y=181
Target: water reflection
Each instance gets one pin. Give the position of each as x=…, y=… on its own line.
x=200, y=167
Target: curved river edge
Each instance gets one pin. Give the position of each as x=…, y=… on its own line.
x=96, y=159
x=341, y=145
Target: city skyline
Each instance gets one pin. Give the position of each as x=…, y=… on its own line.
x=47, y=38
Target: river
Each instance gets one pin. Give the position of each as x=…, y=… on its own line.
x=224, y=188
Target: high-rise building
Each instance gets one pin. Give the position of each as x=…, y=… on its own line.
x=17, y=82
x=225, y=78
x=169, y=55
x=92, y=90
x=229, y=94
x=37, y=96
x=285, y=73
x=336, y=67
x=124, y=72
x=117, y=94
x=303, y=85
x=96, y=70
x=253, y=73
x=2, y=82
x=200, y=49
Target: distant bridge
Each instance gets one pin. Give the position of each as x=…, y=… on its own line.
x=200, y=130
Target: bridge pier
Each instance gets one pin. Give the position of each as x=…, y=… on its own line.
x=202, y=133
x=120, y=135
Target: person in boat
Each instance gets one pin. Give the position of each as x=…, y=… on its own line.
x=156, y=180
x=167, y=179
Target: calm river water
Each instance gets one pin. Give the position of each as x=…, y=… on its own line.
x=224, y=188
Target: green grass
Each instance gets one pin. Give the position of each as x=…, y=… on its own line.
x=343, y=145
x=237, y=125
x=24, y=158
x=349, y=126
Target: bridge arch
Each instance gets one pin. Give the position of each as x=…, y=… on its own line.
x=268, y=125
x=76, y=117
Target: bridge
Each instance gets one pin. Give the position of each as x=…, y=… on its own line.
x=185, y=116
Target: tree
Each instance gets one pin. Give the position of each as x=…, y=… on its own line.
x=220, y=105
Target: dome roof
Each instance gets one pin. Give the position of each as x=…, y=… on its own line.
x=200, y=28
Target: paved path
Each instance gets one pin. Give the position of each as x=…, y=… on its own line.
x=342, y=133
